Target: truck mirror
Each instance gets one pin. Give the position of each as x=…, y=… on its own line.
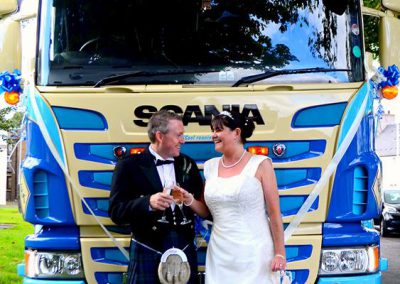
x=10, y=45
x=389, y=52
x=7, y=6
x=393, y=5
x=336, y=6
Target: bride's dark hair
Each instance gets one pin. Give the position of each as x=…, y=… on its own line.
x=234, y=120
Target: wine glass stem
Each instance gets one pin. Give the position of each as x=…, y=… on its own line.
x=183, y=214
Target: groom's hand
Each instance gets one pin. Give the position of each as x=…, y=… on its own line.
x=160, y=201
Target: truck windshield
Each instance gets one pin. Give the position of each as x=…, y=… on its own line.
x=205, y=42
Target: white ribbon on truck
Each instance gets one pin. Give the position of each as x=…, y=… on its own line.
x=330, y=169
x=42, y=126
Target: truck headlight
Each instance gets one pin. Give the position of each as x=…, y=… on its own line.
x=349, y=260
x=53, y=265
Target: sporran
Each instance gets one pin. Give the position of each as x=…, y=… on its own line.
x=174, y=267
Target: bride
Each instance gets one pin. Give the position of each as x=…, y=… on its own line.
x=246, y=244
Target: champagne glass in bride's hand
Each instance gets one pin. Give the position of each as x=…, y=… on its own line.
x=178, y=198
x=168, y=186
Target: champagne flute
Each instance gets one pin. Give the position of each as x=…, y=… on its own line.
x=168, y=186
x=178, y=199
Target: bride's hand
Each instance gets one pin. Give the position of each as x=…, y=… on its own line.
x=187, y=196
x=278, y=263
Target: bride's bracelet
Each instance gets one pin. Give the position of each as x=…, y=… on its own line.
x=191, y=202
x=281, y=256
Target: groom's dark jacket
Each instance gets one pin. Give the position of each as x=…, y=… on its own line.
x=135, y=179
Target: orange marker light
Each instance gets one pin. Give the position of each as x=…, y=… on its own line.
x=135, y=151
x=258, y=150
x=11, y=98
x=373, y=253
x=28, y=257
x=390, y=92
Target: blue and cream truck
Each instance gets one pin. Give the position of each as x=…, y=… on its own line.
x=95, y=71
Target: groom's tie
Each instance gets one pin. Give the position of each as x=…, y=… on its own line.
x=163, y=162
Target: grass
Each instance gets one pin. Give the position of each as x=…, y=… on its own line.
x=12, y=244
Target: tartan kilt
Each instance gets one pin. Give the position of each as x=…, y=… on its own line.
x=143, y=264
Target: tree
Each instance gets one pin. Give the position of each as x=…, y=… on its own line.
x=15, y=120
x=5, y=123
x=371, y=29
x=375, y=4
x=11, y=124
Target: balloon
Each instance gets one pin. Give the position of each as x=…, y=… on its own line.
x=390, y=92
x=11, y=98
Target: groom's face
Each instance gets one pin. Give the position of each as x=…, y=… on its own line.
x=172, y=140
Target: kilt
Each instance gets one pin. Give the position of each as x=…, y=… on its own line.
x=143, y=264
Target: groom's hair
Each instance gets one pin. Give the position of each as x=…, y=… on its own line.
x=159, y=122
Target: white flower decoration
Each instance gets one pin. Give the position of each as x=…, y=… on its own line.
x=226, y=113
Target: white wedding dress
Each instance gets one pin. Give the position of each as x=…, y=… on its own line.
x=241, y=247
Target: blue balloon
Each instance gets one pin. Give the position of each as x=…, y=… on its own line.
x=392, y=75
x=10, y=82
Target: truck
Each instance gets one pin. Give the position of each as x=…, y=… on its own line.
x=95, y=71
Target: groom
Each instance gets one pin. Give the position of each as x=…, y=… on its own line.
x=137, y=199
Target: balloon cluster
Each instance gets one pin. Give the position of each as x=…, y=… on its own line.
x=386, y=82
x=10, y=85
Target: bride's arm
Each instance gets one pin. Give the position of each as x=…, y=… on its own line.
x=266, y=175
x=198, y=206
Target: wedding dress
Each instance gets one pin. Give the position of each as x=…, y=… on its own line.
x=241, y=246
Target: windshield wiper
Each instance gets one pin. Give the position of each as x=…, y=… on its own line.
x=139, y=73
x=258, y=77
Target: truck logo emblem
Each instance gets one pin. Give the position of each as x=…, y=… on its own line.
x=194, y=114
x=279, y=149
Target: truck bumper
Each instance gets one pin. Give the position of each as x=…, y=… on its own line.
x=370, y=279
x=21, y=272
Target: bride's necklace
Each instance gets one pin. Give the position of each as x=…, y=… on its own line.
x=234, y=164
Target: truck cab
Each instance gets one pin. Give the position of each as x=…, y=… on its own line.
x=95, y=71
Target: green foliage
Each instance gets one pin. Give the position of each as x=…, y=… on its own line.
x=12, y=244
x=12, y=123
x=375, y=4
x=15, y=120
x=4, y=124
x=371, y=35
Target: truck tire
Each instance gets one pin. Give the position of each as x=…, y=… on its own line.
x=384, y=230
